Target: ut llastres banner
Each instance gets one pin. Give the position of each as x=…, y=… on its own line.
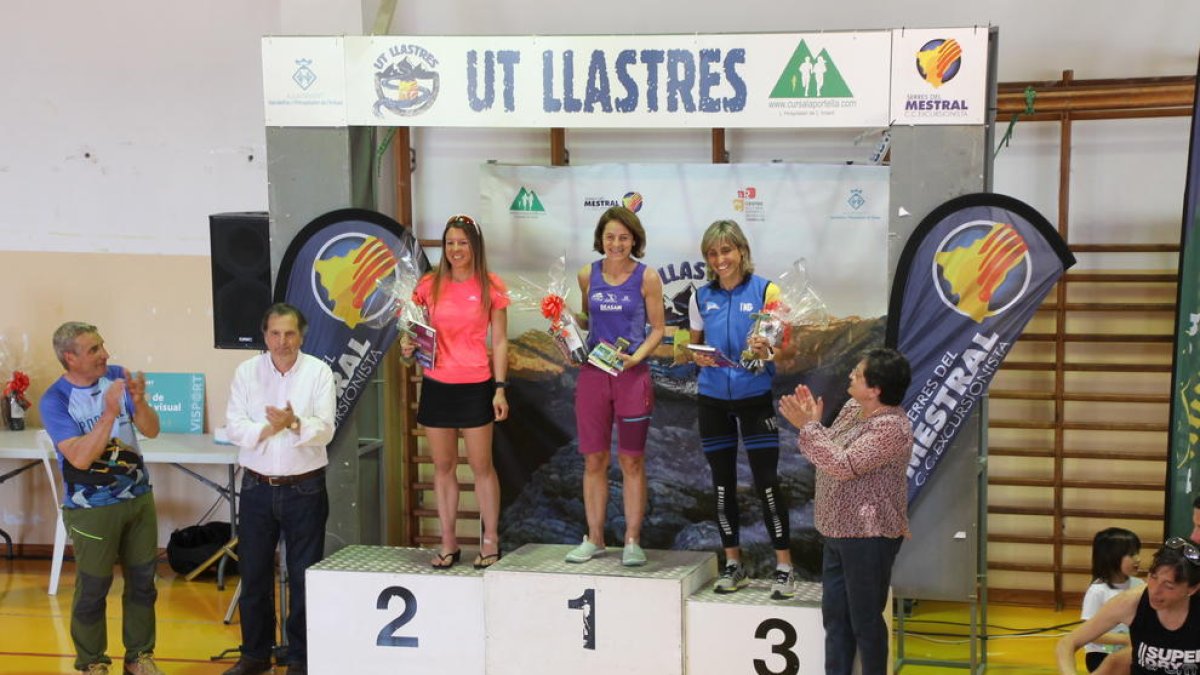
x=331, y=272
x=969, y=280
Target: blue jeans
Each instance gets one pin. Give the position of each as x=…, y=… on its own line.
x=855, y=575
x=297, y=512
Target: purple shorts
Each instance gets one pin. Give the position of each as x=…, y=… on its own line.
x=600, y=397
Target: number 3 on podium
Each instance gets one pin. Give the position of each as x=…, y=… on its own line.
x=783, y=648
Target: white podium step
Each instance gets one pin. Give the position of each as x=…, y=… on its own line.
x=377, y=609
x=748, y=632
x=545, y=615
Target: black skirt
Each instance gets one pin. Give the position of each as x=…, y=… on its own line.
x=456, y=406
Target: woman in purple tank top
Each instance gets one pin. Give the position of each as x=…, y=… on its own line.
x=620, y=298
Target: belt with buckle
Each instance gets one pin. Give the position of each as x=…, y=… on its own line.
x=277, y=481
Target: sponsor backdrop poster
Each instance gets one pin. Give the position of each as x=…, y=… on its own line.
x=835, y=79
x=832, y=216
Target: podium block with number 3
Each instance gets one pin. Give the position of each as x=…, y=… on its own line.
x=748, y=632
x=381, y=610
x=548, y=616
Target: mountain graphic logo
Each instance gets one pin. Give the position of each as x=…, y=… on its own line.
x=809, y=76
x=527, y=200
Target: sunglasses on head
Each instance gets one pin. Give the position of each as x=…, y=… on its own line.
x=463, y=219
x=1189, y=549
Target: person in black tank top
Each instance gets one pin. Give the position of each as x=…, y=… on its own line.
x=1163, y=619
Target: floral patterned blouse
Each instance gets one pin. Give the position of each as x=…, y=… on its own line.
x=862, y=490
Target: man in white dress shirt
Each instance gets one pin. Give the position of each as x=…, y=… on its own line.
x=281, y=415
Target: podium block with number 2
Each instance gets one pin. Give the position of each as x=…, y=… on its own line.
x=548, y=616
x=384, y=610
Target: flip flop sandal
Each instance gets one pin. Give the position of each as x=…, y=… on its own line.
x=444, y=561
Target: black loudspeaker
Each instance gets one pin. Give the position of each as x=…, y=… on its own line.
x=241, y=278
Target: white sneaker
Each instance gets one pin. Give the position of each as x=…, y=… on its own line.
x=732, y=578
x=783, y=585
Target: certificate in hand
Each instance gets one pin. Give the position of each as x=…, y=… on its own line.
x=714, y=354
x=605, y=356
x=426, y=339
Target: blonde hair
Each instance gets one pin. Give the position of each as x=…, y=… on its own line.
x=722, y=231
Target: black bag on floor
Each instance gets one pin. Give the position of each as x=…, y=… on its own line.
x=191, y=546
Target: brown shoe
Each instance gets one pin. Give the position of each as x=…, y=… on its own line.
x=248, y=666
x=144, y=665
x=96, y=669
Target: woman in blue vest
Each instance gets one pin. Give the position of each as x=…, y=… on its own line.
x=734, y=399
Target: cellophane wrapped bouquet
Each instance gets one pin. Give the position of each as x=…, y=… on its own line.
x=550, y=299
x=797, y=304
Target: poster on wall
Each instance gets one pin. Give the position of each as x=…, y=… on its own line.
x=178, y=398
x=970, y=278
x=332, y=272
x=304, y=81
x=939, y=76
x=834, y=217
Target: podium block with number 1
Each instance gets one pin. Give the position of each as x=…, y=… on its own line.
x=545, y=615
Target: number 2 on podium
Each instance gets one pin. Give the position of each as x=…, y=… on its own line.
x=387, y=635
x=586, y=603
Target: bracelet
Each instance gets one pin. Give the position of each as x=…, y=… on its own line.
x=500, y=384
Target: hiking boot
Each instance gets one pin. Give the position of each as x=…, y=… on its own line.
x=144, y=665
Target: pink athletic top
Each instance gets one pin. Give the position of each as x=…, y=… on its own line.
x=462, y=327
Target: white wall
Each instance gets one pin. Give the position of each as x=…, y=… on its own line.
x=126, y=123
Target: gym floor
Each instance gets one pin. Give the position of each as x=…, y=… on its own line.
x=35, y=627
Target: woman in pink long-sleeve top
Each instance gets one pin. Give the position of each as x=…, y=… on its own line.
x=861, y=503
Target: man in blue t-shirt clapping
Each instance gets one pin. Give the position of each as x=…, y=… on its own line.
x=93, y=413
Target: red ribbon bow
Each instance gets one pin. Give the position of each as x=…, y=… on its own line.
x=552, y=308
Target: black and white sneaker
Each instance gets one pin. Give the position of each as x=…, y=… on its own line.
x=783, y=585
x=732, y=578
